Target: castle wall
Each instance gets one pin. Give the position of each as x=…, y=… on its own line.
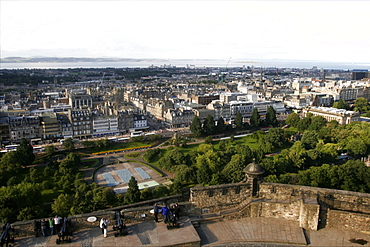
x=335, y=199
x=219, y=197
x=349, y=220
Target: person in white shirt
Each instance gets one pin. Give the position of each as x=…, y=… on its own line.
x=104, y=226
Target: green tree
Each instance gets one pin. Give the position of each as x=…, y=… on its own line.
x=62, y=205
x=175, y=188
x=146, y=194
x=196, y=126
x=238, y=120
x=255, y=119
x=50, y=150
x=303, y=124
x=341, y=104
x=276, y=136
x=133, y=193
x=10, y=162
x=310, y=139
x=25, y=153
x=317, y=122
x=209, y=125
x=160, y=191
x=208, y=140
x=271, y=119
x=220, y=127
x=68, y=144
x=361, y=105
x=233, y=171
x=356, y=147
x=293, y=119
x=204, y=174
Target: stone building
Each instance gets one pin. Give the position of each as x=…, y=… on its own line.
x=125, y=121
x=177, y=118
x=50, y=127
x=24, y=127
x=65, y=124
x=78, y=99
x=329, y=113
x=104, y=126
x=81, y=123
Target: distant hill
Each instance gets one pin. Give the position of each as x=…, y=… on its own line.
x=69, y=59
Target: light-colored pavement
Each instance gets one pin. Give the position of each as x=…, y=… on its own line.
x=242, y=232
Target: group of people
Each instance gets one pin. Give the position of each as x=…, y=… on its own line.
x=169, y=214
x=47, y=226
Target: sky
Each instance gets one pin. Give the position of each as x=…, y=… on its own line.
x=187, y=29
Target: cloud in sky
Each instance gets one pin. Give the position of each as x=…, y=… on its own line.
x=305, y=30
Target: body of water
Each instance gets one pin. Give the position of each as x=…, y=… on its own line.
x=184, y=63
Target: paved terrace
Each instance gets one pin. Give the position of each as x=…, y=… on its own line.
x=243, y=232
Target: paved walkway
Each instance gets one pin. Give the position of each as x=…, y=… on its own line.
x=244, y=232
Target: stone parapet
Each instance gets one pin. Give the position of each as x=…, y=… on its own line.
x=349, y=220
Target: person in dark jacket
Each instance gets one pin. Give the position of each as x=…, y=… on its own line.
x=165, y=213
x=44, y=227
x=156, y=209
x=177, y=211
x=36, y=227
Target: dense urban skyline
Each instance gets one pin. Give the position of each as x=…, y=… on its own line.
x=303, y=30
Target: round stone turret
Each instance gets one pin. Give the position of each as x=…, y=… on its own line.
x=253, y=176
x=254, y=170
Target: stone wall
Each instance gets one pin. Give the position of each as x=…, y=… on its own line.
x=219, y=197
x=349, y=220
x=291, y=202
x=334, y=199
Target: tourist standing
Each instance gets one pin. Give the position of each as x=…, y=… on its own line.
x=165, y=213
x=156, y=209
x=51, y=226
x=44, y=227
x=104, y=226
x=57, y=223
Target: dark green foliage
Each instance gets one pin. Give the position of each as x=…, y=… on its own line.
x=341, y=104
x=233, y=171
x=50, y=149
x=150, y=154
x=238, y=120
x=68, y=144
x=209, y=125
x=133, y=193
x=25, y=153
x=220, y=127
x=293, y=119
x=160, y=191
x=175, y=188
x=317, y=123
x=310, y=139
x=276, y=136
x=208, y=140
x=255, y=119
x=303, y=124
x=15, y=198
x=196, y=126
x=271, y=119
x=204, y=174
x=146, y=194
x=361, y=105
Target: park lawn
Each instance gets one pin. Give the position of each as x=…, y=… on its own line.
x=89, y=163
x=132, y=155
x=118, y=146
